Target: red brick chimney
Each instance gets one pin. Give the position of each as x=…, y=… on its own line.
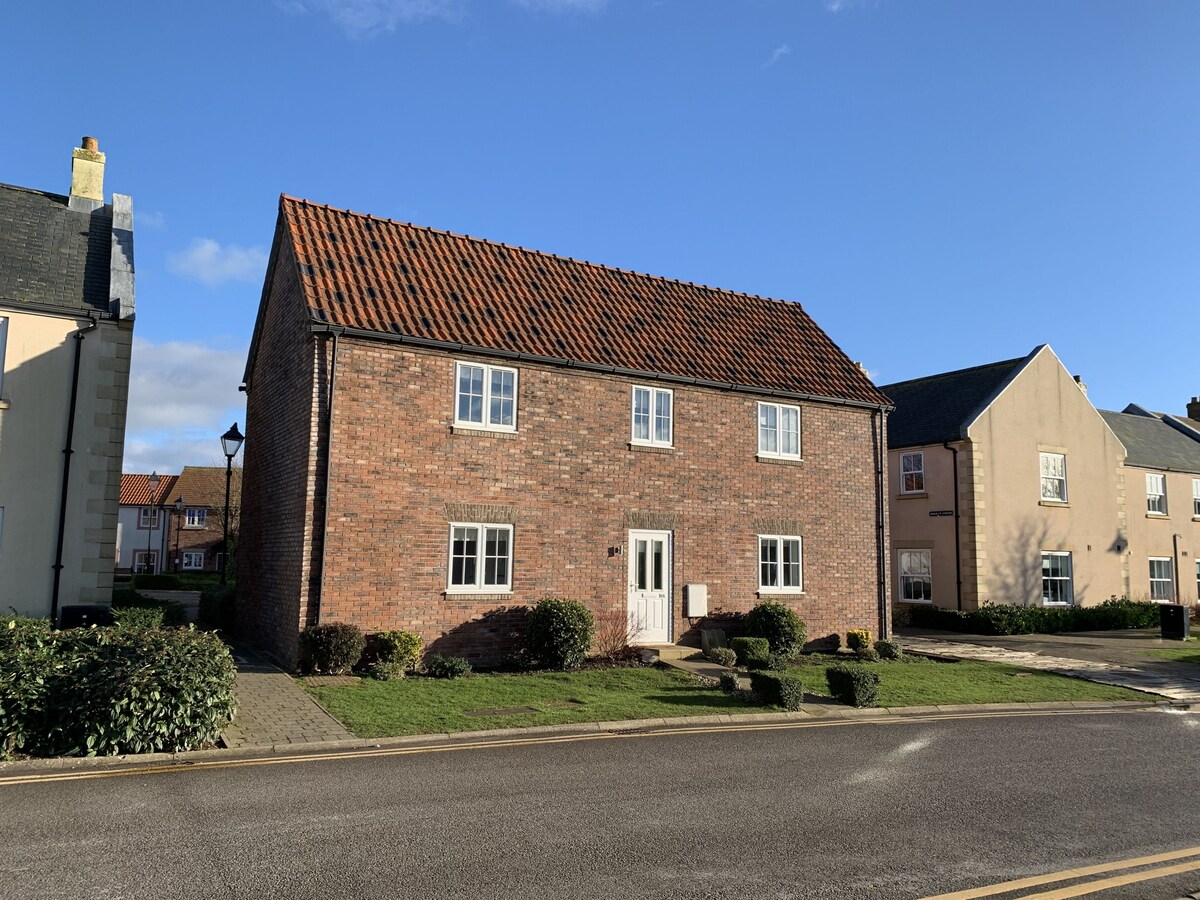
x=1193, y=408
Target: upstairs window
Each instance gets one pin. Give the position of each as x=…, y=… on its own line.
x=196, y=517
x=1156, y=494
x=1196, y=498
x=778, y=431
x=912, y=473
x=1054, y=477
x=652, y=423
x=1162, y=579
x=780, y=563
x=485, y=397
x=148, y=517
x=480, y=558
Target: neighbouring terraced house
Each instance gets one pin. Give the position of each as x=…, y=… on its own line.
x=443, y=430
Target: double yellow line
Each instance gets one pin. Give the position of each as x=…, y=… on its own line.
x=1156, y=869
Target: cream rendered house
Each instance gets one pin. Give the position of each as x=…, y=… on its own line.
x=1005, y=485
x=66, y=329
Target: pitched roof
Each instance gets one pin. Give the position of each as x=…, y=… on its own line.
x=51, y=254
x=135, y=490
x=394, y=278
x=938, y=408
x=205, y=486
x=1151, y=443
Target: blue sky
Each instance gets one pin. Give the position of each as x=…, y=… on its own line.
x=942, y=184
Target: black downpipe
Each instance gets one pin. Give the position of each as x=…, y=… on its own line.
x=880, y=543
x=957, y=531
x=315, y=615
x=66, y=475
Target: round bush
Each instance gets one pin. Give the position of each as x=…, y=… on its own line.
x=780, y=625
x=560, y=632
x=888, y=650
x=723, y=656
x=437, y=666
x=396, y=653
x=331, y=649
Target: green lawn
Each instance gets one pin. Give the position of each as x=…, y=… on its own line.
x=427, y=705
x=1188, y=651
x=919, y=681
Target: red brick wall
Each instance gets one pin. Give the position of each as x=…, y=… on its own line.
x=573, y=480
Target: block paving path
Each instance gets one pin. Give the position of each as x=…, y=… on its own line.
x=1176, y=681
x=274, y=710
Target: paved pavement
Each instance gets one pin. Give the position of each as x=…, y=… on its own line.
x=1106, y=657
x=274, y=710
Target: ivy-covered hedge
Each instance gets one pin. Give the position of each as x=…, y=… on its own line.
x=103, y=691
x=1001, y=619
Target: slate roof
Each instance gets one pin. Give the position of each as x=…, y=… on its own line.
x=51, y=254
x=205, y=486
x=937, y=408
x=135, y=490
x=1151, y=443
x=396, y=278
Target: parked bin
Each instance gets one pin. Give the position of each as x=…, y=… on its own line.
x=82, y=616
x=1173, y=619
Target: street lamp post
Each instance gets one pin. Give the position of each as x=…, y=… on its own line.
x=231, y=443
x=179, y=507
x=153, y=480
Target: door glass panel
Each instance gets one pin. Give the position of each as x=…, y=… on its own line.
x=658, y=565
x=641, y=580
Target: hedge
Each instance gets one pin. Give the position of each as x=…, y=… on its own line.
x=560, y=632
x=331, y=649
x=752, y=652
x=161, y=582
x=855, y=685
x=396, y=653
x=778, y=689
x=162, y=612
x=1004, y=619
x=780, y=625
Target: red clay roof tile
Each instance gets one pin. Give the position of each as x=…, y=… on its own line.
x=135, y=490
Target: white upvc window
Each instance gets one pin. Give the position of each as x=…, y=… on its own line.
x=1058, y=585
x=1162, y=579
x=778, y=431
x=480, y=558
x=912, y=473
x=916, y=576
x=196, y=517
x=1156, y=494
x=485, y=397
x=1196, y=498
x=652, y=416
x=3, y=344
x=1054, y=477
x=148, y=517
x=780, y=563
x=193, y=559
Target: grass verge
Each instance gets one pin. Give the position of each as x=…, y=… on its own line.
x=1188, y=651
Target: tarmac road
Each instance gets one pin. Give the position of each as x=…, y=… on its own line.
x=907, y=808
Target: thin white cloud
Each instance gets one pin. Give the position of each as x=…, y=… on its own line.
x=562, y=6
x=152, y=219
x=837, y=6
x=366, y=18
x=777, y=54
x=208, y=262
x=183, y=395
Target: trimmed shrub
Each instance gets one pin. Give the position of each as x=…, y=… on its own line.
x=101, y=691
x=331, y=649
x=170, y=613
x=218, y=609
x=858, y=637
x=752, y=652
x=780, y=626
x=778, y=689
x=161, y=582
x=138, y=616
x=1005, y=619
x=867, y=653
x=777, y=662
x=889, y=650
x=396, y=653
x=560, y=632
x=437, y=666
x=855, y=685
x=723, y=656
x=730, y=683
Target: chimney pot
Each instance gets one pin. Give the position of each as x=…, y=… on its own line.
x=90, y=143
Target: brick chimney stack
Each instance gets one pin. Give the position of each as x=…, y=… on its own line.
x=1193, y=409
x=87, y=176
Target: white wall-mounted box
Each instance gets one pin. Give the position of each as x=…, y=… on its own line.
x=695, y=601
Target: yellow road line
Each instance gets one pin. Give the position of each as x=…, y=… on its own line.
x=181, y=767
x=1105, y=884
x=1083, y=872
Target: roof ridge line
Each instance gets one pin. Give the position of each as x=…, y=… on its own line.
x=1001, y=362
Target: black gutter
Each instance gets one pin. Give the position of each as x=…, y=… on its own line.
x=315, y=614
x=455, y=347
x=878, y=452
x=66, y=312
x=957, y=532
x=66, y=476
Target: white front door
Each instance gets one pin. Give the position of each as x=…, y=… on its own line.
x=650, y=586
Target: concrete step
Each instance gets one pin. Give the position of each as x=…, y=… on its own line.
x=663, y=652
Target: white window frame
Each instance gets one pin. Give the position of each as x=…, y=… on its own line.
x=195, y=517
x=919, y=457
x=479, y=585
x=1156, y=494
x=1043, y=457
x=1068, y=579
x=192, y=553
x=781, y=574
x=779, y=452
x=3, y=344
x=653, y=416
x=144, y=518
x=485, y=423
x=914, y=577
x=1167, y=596
x=1196, y=498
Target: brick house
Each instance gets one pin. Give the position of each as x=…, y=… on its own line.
x=197, y=534
x=442, y=430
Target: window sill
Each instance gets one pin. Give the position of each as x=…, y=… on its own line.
x=916, y=602
x=1061, y=504
x=913, y=495
x=1046, y=604
x=780, y=592
x=651, y=448
x=780, y=460
x=477, y=595
x=1157, y=516
x=482, y=432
